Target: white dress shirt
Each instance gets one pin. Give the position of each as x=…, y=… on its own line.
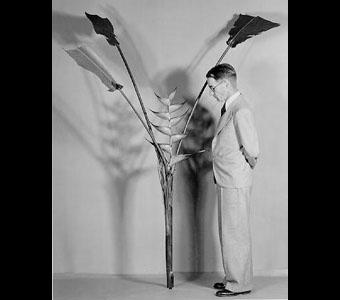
x=231, y=99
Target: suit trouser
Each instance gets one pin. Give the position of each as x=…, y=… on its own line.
x=235, y=238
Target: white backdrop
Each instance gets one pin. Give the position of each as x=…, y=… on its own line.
x=108, y=214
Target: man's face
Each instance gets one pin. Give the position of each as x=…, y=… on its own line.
x=218, y=88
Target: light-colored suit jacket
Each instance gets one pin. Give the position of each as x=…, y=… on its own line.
x=235, y=147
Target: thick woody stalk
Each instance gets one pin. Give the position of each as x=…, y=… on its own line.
x=168, y=201
x=135, y=111
x=167, y=183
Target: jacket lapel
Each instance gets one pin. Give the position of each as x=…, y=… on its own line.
x=224, y=120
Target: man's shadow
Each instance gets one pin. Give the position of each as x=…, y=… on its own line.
x=194, y=201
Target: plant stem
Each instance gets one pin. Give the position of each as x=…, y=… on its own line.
x=166, y=179
x=134, y=109
x=198, y=98
x=223, y=55
x=168, y=200
x=135, y=86
x=159, y=152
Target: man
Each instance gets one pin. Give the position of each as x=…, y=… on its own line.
x=235, y=151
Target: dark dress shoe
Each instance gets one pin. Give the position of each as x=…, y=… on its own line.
x=219, y=286
x=225, y=292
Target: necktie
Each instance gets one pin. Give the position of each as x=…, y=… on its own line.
x=223, y=110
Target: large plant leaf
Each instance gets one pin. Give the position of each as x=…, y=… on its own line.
x=104, y=27
x=87, y=58
x=246, y=27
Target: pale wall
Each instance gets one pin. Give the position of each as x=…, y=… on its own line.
x=107, y=202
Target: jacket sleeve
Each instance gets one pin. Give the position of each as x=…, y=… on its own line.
x=247, y=135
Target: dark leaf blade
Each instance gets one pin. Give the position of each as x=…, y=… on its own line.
x=246, y=27
x=104, y=27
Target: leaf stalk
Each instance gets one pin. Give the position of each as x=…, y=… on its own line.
x=149, y=130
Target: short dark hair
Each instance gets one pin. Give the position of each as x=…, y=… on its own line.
x=222, y=71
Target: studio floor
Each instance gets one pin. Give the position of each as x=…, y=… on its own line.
x=188, y=286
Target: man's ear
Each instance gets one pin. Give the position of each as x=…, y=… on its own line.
x=227, y=82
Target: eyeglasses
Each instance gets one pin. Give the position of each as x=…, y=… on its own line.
x=212, y=89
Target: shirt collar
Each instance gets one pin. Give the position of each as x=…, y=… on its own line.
x=231, y=99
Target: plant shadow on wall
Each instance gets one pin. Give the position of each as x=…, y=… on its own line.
x=134, y=47
x=194, y=206
x=197, y=181
x=69, y=29
x=119, y=146
x=123, y=163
